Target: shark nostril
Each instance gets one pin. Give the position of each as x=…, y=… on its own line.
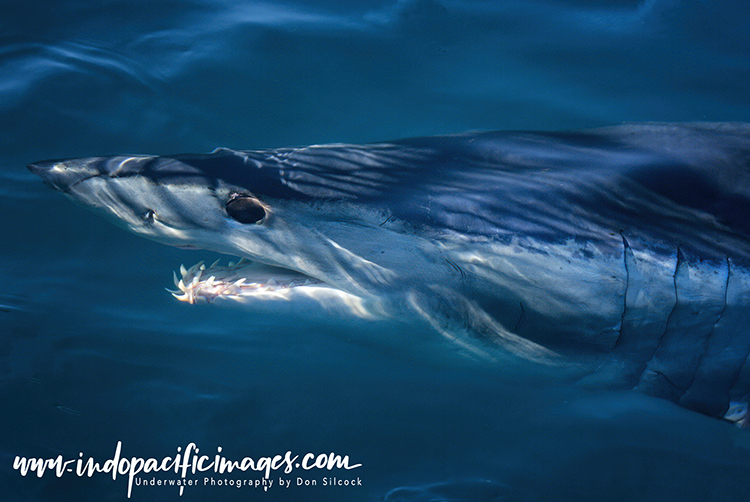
x=149, y=216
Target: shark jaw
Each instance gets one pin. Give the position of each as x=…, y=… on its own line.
x=244, y=279
x=247, y=281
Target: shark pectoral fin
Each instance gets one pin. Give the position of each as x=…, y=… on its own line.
x=465, y=323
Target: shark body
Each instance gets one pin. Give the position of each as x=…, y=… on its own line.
x=627, y=246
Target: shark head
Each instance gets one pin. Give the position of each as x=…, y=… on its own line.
x=248, y=204
x=374, y=228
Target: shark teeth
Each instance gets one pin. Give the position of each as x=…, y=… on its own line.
x=232, y=281
x=738, y=414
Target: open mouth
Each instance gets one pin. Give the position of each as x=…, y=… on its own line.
x=238, y=281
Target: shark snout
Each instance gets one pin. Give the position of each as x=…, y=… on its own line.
x=63, y=174
x=38, y=168
x=58, y=175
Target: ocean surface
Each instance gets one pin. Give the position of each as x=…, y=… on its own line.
x=95, y=353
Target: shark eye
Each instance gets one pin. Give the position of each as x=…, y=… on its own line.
x=245, y=209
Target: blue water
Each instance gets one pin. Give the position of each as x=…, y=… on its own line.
x=94, y=352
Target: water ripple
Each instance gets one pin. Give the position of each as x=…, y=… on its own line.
x=24, y=65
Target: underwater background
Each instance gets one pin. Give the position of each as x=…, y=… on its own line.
x=94, y=351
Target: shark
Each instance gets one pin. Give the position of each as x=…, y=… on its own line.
x=627, y=247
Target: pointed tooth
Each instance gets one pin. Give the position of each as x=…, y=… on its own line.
x=736, y=412
x=182, y=286
x=271, y=282
x=195, y=280
x=202, y=267
x=215, y=263
x=210, y=282
x=176, y=280
x=239, y=282
x=183, y=270
x=231, y=264
x=242, y=261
